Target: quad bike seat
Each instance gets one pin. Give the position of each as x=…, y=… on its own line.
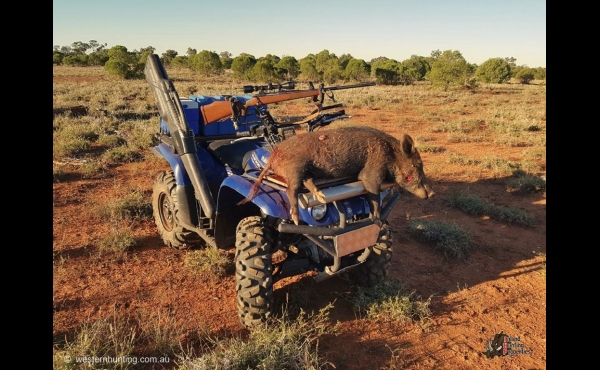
x=233, y=153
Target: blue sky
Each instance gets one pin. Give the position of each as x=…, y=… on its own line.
x=397, y=29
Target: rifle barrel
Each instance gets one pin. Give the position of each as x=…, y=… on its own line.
x=364, y=84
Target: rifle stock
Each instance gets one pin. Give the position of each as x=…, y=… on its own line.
x=222, y=109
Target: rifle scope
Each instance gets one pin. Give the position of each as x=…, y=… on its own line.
x=289, y=85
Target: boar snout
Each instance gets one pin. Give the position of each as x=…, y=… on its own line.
x=429, y=191
x=423, y=191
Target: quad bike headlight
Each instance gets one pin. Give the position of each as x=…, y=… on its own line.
x=318, y=211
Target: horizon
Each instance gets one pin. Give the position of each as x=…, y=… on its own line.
x=478, y=30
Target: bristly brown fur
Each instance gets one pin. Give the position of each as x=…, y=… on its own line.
x=371, y=155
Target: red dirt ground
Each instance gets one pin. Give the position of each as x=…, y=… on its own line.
x=501, y=287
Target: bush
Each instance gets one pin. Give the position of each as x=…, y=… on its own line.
x=123, y=64
x=450, y=239
x=525, y=76
x=282, y=343
x=495, y=70
x=386, y=77
x=391, y=301
x=449, y=69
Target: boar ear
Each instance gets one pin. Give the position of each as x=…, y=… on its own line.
x=408, y=145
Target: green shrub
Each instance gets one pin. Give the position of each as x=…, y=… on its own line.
x=112, y=337
x=475, y=206
x=527, y=183
x=121, y=154
x=448, y=69
x=134, y=205
x=282, y=343
x=391, y=301
x=118, y=241
x=210, y=262
x=494, y=70
x=450, y=239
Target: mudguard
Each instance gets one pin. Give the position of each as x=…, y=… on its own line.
x=181, y=177
x=271, y=202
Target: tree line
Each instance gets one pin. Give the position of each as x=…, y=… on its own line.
x=442, y=68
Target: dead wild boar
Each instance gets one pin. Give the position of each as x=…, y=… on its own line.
x=371, y=155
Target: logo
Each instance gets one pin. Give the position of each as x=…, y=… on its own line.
x=504, y=345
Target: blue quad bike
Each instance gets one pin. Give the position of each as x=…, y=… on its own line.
x=216, y=146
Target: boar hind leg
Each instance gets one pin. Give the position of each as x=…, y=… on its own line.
x=318, y=194
x=293, y=197
x=292, y=193
x=371, y=178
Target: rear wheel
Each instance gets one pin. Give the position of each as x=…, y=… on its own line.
x=374, y=270
x=254, y=271
x=165, y=209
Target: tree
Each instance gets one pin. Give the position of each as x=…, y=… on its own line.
x=386, y=76
x=79, y=60
x=378, y=59
x=98, y=57
x=242, y=65
x=328, y=66
x=540, y=73
x=123, y=64
x=65, y=50
x=356, y=70
x=264, y=71
x=289, y=67
x=494, y=70
x=419, y=64
x=206, y=63
x=512, y=62
x=308, y=68
x=378, y=63
x=525, y=75
x=391, y=72
x=448, y=69
x=144, y=52
x=57, y=57
x=332, y=71
x=191, y=52
x=226, y=59
x=436, y=54
x=180, y=61
x=344, y=59
x=95, y=46
x=168, y=56
x=79, y=47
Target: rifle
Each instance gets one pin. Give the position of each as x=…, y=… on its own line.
x=222, y=109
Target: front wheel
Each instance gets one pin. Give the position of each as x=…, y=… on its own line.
x=254, y=271
x=374, y=270
x=165, y=209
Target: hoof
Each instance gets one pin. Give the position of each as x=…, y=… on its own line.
x=320, y=197
x=376, y=220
